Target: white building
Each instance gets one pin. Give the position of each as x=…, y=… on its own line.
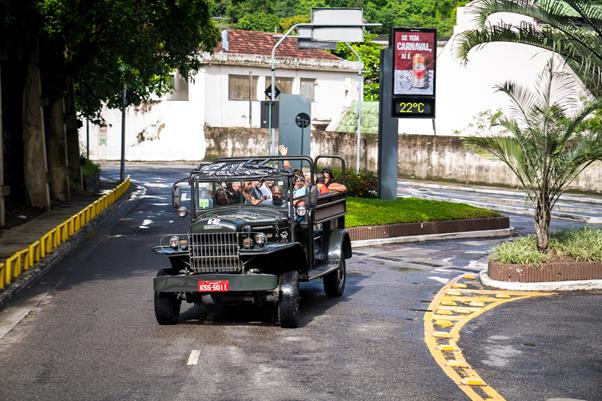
x=226, y=92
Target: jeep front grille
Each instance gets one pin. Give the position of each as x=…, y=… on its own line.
x=214, y=252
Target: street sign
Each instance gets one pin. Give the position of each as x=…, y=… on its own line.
x=302, y=120
x=265, y=113
x=268, y=92
x=414, y=68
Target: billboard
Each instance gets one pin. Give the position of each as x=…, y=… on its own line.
x=414, y=69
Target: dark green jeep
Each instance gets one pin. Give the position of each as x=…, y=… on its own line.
x=257, y=249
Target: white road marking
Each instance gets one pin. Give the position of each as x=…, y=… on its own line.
x=439, y=279
x=193, y=359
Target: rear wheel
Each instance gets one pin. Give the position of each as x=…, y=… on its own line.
x=288, y=306
x=167, y=305
x=334, y=283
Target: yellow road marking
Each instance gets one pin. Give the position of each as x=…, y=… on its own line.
x=442, y=343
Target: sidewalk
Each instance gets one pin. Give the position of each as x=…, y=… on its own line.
x=19, y=237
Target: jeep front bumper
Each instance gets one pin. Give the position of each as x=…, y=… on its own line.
x=237, y=282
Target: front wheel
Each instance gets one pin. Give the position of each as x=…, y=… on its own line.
x=167, y=305
x=288, y=305
x=334, y=283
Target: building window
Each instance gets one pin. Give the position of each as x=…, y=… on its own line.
x=242, y=87
x=284, y=84
x=308, y=88
x=179, y=84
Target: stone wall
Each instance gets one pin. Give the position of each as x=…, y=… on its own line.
x=420, y=156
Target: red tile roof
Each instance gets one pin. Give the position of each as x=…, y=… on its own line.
x=254, y=42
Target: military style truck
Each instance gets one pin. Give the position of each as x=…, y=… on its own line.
x=256, y=250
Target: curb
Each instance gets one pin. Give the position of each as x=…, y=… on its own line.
x=577, y=285
x=41, y=268
x=435, y=237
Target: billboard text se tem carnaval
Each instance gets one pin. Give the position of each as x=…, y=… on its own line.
x=414, y=53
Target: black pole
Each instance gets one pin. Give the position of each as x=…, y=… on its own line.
x=387, y=130
x=123, y=106
x=87, y=139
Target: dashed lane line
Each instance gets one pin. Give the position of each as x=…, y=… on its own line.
x=193, y=359
x=458, y=302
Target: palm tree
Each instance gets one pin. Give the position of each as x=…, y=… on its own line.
x=548, y=144
x=570, y=28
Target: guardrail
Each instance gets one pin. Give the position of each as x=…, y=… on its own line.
x=26, y=258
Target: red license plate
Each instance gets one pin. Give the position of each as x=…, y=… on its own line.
x=214, y=286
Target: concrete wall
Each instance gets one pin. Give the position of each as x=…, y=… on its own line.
x=420, y=156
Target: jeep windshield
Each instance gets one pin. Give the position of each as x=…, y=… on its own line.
x=272, y=192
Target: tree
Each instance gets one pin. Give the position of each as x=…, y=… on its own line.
x=370, y=55
x=549, y=144
x=259, y=21
x=571, y=28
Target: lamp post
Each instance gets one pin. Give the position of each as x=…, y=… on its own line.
x=360, y=89
x=273, y=64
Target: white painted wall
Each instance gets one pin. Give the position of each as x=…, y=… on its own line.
x=334, y=91
x=173, y=130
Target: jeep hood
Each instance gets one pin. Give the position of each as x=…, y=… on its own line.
x=233, y=219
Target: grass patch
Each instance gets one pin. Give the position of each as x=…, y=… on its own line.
x=371, y=212
x=581, y=245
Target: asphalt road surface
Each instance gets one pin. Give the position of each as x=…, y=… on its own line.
x=92, y=334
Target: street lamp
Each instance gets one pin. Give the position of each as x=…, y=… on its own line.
x=273, y=87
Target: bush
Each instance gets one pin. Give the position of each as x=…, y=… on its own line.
x=89, y=168
x=363, y=184
x=581, y=245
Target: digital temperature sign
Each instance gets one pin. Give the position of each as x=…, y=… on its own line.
x=414, y=61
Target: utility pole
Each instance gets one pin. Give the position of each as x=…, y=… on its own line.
x=123, y=106
x=2, y=192
x=360, y=98
x=87, y=138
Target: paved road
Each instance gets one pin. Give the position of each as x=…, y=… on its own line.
x=571, y=207
x=93, y=336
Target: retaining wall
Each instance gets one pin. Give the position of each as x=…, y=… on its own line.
x=420, y=156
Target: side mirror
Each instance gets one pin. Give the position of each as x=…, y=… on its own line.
x=176, y=197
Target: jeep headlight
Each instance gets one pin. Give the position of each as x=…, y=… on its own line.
x=247, y=242
x=174, y=242
x=301, y=211
x=260, y=239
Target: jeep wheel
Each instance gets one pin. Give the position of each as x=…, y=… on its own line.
x=167, y=305
x=334, y=283
x=288, y=306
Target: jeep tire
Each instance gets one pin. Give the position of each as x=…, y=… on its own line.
x=167, y=304
x=334, y=283
x=288, y=305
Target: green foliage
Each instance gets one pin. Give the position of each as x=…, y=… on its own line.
x=520, y=251
x=572, y=29
x=363, y=184
x=581, y=245
x=109, y=44
x=367, y=212
x=417, y=13
x=286, y=23
x=548, y=146
x=259, y=21
x=370, y=54
x=90, y=168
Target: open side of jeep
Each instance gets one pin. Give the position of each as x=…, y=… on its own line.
x=235, y=251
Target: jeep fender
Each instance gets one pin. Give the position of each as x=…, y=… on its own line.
x=337, y=244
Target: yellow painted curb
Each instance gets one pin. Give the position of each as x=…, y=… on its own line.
x=443, y=314
x=26, y=258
